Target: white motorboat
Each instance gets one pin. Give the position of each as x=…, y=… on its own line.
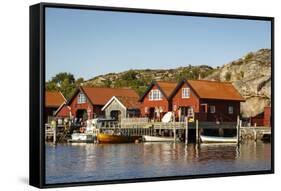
x=148, y=138
x=168, y=117
x=215, y=139
x=81, y=138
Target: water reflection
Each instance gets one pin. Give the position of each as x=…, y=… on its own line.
x=90, y=162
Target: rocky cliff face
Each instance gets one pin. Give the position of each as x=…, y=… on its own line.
x=251, y=76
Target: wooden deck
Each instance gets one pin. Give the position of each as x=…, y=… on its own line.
x=172, y=129
x=254, y=133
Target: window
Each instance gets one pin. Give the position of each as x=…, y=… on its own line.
x=81, y=98
x=230, y=109
x=155, y=95
x=212, y=109
x=185, y=92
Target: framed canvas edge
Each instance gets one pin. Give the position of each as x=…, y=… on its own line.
x=37, y=96
x=35, y=142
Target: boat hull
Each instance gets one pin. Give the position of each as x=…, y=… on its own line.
x=147, y=138
x=81, y=138
x=106, y=138
x=213, y=139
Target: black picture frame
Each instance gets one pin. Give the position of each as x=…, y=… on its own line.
x=37, y=95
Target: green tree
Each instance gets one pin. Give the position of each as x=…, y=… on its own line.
x=61, y=77
x=107, y=83
x=79, y=81
x=188, y=73
x=64, y=82
x=130, y=75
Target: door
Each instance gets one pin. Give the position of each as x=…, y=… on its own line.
x=151, y=113
x=115, y=114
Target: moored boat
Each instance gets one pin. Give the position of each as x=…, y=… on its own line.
x=81, y=138
x=148, y=138
x=111, y=138
x=215, y=139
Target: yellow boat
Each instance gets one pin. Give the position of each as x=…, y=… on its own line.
x=108, y=138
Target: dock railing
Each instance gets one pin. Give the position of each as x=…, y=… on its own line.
x=134, y=122
x=215, y=125
x=145, y=123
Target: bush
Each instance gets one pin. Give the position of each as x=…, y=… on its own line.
x=228, y=76
x=130, y=75
x=249, y=56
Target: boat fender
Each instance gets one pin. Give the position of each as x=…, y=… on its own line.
x=81, y=130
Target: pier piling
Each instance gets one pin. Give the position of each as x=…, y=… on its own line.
x=238, y=129
x=54, y=128
x=174, y=120
x=186, y=130
x=197, y=132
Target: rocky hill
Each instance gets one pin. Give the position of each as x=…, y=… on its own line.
x=140, y=79
x=251, y=75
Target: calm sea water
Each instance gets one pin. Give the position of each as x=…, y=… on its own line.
x=94, y=162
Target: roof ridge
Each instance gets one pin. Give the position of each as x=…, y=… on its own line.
x=124, y=88
x=127, y=96
x=52, y=91
x=167, y=82
x=214, y=81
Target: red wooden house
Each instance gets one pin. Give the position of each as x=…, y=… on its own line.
x=64, y=111
x=53, y=100
x=206, y=100
x=262, y=119
x=88, y=101
x=155, y=102
x=267, y=116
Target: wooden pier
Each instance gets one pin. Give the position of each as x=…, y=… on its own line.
x=254, y=133
x=184, y=131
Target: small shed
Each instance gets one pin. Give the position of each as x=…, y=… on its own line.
x=122, y=107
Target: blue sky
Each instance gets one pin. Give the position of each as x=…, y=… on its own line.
x=88, y=43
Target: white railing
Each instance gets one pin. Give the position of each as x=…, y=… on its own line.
x=134, y=122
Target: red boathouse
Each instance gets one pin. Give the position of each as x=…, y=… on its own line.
x=89, y=101
x=155, y=102
x=206, y=100
x=53, y=100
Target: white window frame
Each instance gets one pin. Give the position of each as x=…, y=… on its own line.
x=212, y=109
x=81, y=98
x=185, y=93
x=230, y=109
x=155, y=95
